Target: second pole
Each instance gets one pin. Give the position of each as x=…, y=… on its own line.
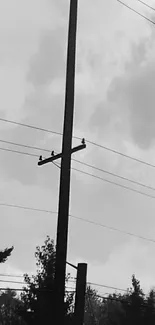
x=80, y=294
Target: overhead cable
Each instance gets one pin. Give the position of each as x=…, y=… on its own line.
x=82, y=219
x=137, y=12
x=87, y=140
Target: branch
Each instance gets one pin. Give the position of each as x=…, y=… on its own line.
x=5, y=254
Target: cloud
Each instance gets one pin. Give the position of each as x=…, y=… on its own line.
x=37, y=99
x=41, y=100
x=48, y=63
x=29, y=228
x=35, y=67
x=134, y=92
x=129, y=105
x=133, y=257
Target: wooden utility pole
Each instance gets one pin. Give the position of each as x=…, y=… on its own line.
x=80, y=294
x=64, y=192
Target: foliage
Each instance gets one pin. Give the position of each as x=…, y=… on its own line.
x=9, y=304
x=5, y=254
x=38, y=297
x=132, y=307
x=93, y=307
x=37, y=302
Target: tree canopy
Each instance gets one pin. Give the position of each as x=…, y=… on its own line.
x=132, y=307
x=9, y=306
x=36, y=305
x=38, y=297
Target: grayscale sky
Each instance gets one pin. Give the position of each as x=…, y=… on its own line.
x=114, y=106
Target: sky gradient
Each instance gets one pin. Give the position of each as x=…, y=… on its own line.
x=114, y=106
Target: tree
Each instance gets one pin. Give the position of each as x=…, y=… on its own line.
x=5, y=254
x=135, y=304
x=38, y=297
x=149, y=316
x=132, y=307
x=113, y=312
x=93, y=307
x=9, y=304
x=126, y=309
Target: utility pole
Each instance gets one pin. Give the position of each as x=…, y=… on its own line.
x=80, y=294
x=64, y=191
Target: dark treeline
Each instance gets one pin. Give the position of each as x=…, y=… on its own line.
x=133, y=307
x=34, y=304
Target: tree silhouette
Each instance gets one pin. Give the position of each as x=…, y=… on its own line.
x=38, y=298
x=9, y=305
x=132, y=307
x=4, y=254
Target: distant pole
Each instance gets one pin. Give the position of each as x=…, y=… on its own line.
x=64, y=192
x=80, y=294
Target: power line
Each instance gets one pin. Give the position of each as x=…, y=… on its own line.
x=114, y=183
x=106, y=286
x=115, y=175
x=37, y=290
x=71, y=281
x=82, y=219
x=121, y=154
x=97, y=177
x=11, y=275
x=103, y=285
x=111, y=182
x=21, y=276
x=29, y=126
x=146, y=4
x=24, y=283
x=78, y=161
x=17, y=282
x=75, y=137
x=137, y=12
x=19, y=152
x=26, y=208
x=24, y=145
x=116, y=152
x=114, y=229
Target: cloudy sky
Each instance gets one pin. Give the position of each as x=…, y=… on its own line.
x=114, y=107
